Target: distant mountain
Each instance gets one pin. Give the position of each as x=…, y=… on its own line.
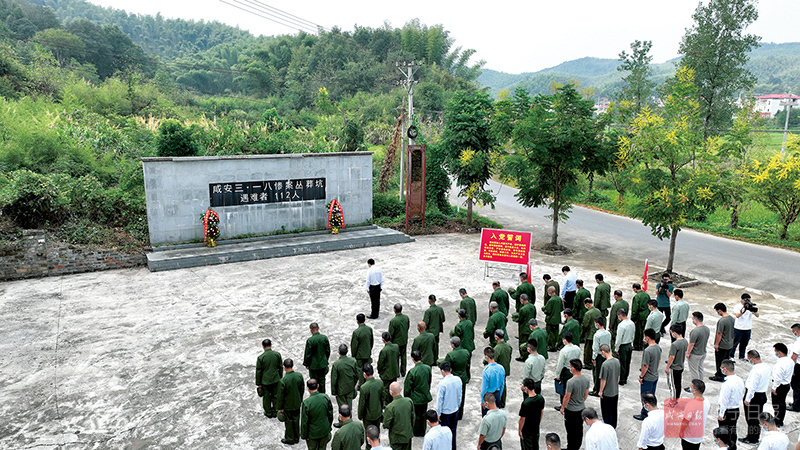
x=777, y=67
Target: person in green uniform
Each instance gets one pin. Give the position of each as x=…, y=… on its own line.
x=361, y=345
x=502, y=356
x=588, y=330
x=500, y=297
x=398, y=328
x=417, y=387
x=388, y=365
x=344, y=377
x=524, y=316
x=290, y=400
x=459, y=359
x=370, y=400
x=434, y=321
x=613, y=320
x=318, y=350
x=552, y=310
x=602, y=295
x=540, y=335
x=468, y=305
x=579, y=307
x=316, y=418
x=497, y=321
x=269, y=371
x=548, y=283
x=398, y=418
x=638, y=314
x=570, y=325
x=351, y=433
x=465, y=331
x=425, y=343
x=524, y=288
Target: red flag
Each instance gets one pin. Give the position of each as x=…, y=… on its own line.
x=529, y=272
x=644, y=280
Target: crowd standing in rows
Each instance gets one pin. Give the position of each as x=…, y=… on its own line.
x=609, y=334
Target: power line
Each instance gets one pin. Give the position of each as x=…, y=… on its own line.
x=271, y=17
x=286, y=14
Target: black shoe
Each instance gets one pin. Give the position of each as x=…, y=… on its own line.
x=284, y=441
x=716, y=378
x=520, y=359
x=639, y=417
x=779, y=423
x=594, y=394
x=623, y=383
x=557, y=408
x=337, y=425
x=372, y=317
x=745, y=441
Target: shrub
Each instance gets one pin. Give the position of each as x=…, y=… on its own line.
x=175, y=140
x=387, y=205
x=32, y=200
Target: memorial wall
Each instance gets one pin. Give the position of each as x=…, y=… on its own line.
x=254, y=194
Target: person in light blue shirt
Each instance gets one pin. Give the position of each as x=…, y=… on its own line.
x=493, y=379
x=568, y=286
x=448, y=399
x=438, y=437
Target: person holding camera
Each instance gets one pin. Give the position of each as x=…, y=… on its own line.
x=743, y=325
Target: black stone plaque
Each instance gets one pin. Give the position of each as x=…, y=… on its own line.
x=261, y=192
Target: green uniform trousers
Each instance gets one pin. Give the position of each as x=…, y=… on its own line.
x=419, y=419
x=292, y=426
x=387, y=397
x=552, y=336
x=377, y=423
x=523, y=345
x=346, y=399
x=319, y=375
x=638, y=344
x=318, y=444
x=529, y=442
x=398, y=446
x=587, y=353
x=403, y=349
x=270, y=399
x=360, y=365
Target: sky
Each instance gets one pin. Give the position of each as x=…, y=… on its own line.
x=511, y=36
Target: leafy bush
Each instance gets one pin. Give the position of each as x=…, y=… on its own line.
x=32, y=200
x=175, y=140
x=387, y=205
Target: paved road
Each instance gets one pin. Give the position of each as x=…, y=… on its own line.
x=701, y=255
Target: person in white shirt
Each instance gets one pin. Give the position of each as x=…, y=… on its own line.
x=743, y=325
x=722, y=438
x=781, y=377
x=730, y=398
x=773, y=439
x=437, y=437
x=652, y=435
x=374, y=438
x=600, y=436
x=374, y=287
x=695, y=414
x=755, y=396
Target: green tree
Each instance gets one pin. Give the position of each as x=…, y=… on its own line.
x=553, y=138
x=64, y=45
x=776, y=183
x=716, y=48
x=175, y=140
x=659, y=151
x=638, y=88
x=469, y=146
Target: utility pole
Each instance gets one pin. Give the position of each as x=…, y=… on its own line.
x=408, y=69
x=788, y=103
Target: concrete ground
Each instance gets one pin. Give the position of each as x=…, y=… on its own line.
x=133, y=359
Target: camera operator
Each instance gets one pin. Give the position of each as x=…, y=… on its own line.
x=743, y=325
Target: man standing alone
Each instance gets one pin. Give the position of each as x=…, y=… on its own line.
x=374, y=287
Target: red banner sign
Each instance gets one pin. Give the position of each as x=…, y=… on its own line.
x=505, y=246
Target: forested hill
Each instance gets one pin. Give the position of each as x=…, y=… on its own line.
x=777, y=67
x=167, y=38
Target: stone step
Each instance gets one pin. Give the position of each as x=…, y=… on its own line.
x=196, y=255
